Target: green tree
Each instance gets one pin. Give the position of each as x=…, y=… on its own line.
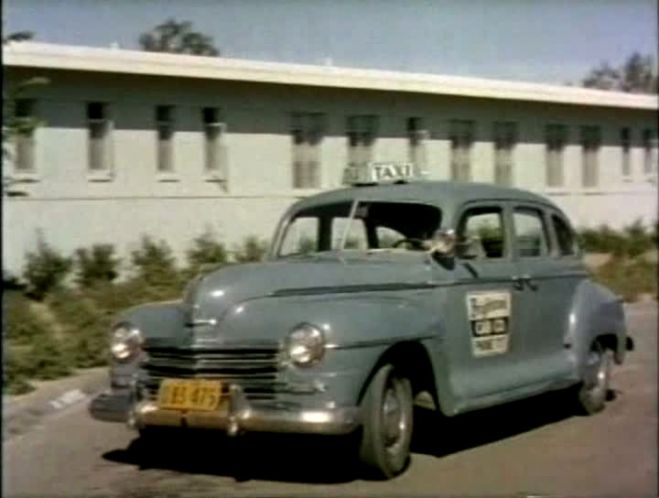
x=637, y=74
x=177, y=37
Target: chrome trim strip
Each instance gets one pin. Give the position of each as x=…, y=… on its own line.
x=348, y=289
x=378, y=342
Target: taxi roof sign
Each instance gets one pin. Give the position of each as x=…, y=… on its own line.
x=381, y=172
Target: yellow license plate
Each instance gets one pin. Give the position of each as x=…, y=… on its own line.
x=189, y=394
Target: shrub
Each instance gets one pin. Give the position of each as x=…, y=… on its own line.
x=15, y=371
x=49, y=359
x=155, y=263
x=638, y=240
x=252, y=249
x=32, y=350
x=45, y=269
x=95, y=265
x=21, y=325
x=206, y=251
x=628, y=278
x=632, y=240
x=85, y=327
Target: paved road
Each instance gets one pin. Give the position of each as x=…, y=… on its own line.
x=534, y=447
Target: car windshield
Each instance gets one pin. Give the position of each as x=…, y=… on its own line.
x=404, y=226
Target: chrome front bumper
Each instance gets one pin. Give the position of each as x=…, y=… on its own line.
x=237, y=415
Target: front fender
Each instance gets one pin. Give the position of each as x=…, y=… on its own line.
x=595, y=312
x=160, y=322
x=358, y=330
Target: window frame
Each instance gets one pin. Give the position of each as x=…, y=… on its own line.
x=505, y=136
x=165, y=123
x=307, y=132
x=540, y=210
x=626, y=167
x=361, y=135
x=106, y=172
x=591, y=143
x=462, y=136
x=649, y=146
x=503, y=208
x=556, y=139
x=212, y=121
x=551, y=215
x=417, y=141
x=28, y=140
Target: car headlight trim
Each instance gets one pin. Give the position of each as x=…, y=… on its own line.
x=125, y=342
x=305, y=345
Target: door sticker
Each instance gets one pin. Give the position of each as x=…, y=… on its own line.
x=489, y=315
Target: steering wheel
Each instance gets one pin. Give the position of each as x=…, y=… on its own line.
x=414, y=243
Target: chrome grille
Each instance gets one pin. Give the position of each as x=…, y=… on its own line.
x=254, y=369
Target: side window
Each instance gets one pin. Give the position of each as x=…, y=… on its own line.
x=387, y=237
x=530, y=233
x=301, y=237
x=566, y=242
x=481, y=234
x=356, y=238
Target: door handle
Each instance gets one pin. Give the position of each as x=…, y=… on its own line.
x=520, y=280
x=529, y=281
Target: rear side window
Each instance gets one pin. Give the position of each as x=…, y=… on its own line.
x=567, y=245
x=530, y=233
x=481, y=234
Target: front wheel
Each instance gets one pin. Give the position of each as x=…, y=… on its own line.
x=387, y=425
x=594, y=389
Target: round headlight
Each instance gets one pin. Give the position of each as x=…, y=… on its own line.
x=125, y=342
x=305, y=345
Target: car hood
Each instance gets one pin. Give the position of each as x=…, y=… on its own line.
x=210, y=296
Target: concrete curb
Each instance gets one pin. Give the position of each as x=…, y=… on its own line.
x=22, y=412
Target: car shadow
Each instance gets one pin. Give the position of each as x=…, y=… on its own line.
x=332, y=460
x=440, y=436
x=269, y=457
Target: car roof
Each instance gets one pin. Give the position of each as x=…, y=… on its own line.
x=447, y=194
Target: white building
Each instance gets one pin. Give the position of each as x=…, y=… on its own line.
x=170, y=145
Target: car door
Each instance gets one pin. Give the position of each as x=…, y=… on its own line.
x=549, y=271
x=483, y=344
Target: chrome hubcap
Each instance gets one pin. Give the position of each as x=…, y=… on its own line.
x=393, y=417
x=597, y=382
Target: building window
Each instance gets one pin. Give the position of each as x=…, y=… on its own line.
x=649, y=151
x=362, y=132
x=555, y=138
x=214, y=149
x=590, y=143
x=626, y=146
x=307, y=134
x=418, y=136
x=99, y=126
x=462, y=138
x=505, y=137
x=165, y=145
x=24, y=118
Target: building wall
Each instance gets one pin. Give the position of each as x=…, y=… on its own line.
x=74, y=209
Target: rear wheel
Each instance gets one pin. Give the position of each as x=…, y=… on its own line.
x=387, y=426
x=594, y=389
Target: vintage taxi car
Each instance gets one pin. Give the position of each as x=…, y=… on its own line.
x=373, y=298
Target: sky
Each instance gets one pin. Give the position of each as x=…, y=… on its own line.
x=552, y=41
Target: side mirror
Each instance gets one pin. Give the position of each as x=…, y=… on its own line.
x=443, y=243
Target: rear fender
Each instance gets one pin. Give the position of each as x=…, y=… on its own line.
x=596, y=314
